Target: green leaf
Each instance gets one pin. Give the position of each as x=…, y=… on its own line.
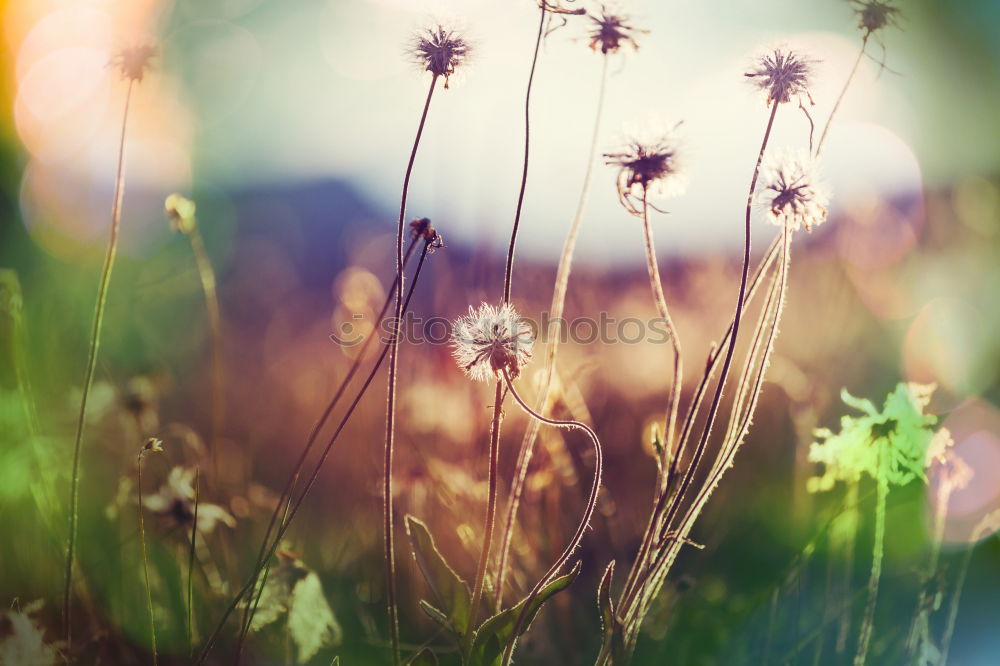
x=424, y=658
x=493, y=634
x=607, y=609
x=435, y=614
x=449, y=589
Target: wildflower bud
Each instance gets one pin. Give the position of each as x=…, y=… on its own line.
x=133, y=61
x=874, y=15
x=181, y=213
x=440, y=50
x=610, y=30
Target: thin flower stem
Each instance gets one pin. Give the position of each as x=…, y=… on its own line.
x=281, y=508
x=724, y=375
x=548, y=371
x=508, y=271
x=145, y=563
x=190, y=577
x=981, y=530
x=392, y=610
x=293, y=511
x=208, y=285
x=581, y=527
x=95, y=341
x=656, y=285
x=868, y=619
x=491, y=507
x=843, y=92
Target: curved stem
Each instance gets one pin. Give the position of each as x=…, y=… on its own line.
x=581, y=527
x=293, y=508
x=88, y=381
x=145, y=563
x=548, y=371
x=724, y=375
x=190, y=576
x=656, y=285
x=208, y=285
x=387, y=528
x=840, y=97
x=527, y=144
x=491, y=508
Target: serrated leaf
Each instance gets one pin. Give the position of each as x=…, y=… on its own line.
x=424, y=658
x=493, y=634
x=311, y=623
x=450, y=591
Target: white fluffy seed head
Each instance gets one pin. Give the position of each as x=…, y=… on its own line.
x=490, y=340
x=792, y=191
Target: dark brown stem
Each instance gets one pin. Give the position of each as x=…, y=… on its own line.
x=556, y=311
x=581, y=527
x=843, y=92
x=88, y=381
x=491, y=508
x=392, y=610
x=524, y=173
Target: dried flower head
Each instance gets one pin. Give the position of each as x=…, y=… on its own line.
x=181, y=213
x=175, y=500
x=152, y=445
x=782, y=74
x=793, y=192
x=557, y=8
x=491, y=340
x=133, y=61
x=610, y=30
x=440, y=50
x=648, y=167
x=888, y=444
x=874, y=15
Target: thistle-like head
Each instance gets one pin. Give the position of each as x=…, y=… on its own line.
x=874, y=15
x=782, y=74
x=492, y=341
x=610, y=29
x=133, y=61
x=648, y=166
x=792, y=191
x=440, y=50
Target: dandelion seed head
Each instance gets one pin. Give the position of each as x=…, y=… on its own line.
x=792, y=191
x=874, y=15
x=649, y=164
x=491, y=340
x=611, y=29
x=782, y=74
x=440, y=50
x=133, y=61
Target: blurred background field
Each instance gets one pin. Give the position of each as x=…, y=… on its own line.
x=288, y=124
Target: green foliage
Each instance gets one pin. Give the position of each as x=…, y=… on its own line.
x=493, y=634
x=296, y=592
x=450, y=591
x=888, y=445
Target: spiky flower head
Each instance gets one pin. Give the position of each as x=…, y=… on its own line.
x=610, y=29
x=133, y=61
x=792, y=191
x=440, y=50
x=181, y=213
x=889, y=445
x=782, y=74
x=490, y=341
x=874, y=15
x=649, y=166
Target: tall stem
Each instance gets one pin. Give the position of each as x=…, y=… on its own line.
x=724, y=375
x=491, y=507
x=656, y=285
x=548, y=371
x=390, y=414
x=95, y=342
x=293, y=508
x=868, y=619
x=843, y=92
x=581, y=526
x=527, y=145
x=145, y=562
x=208, y=285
